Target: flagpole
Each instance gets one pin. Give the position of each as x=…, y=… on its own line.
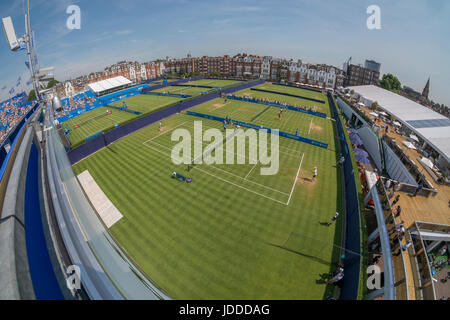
x=30, y=51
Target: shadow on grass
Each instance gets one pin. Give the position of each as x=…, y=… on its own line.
x=317, y=259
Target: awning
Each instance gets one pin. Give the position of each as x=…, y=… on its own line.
x=427, y=162
x=409, y=145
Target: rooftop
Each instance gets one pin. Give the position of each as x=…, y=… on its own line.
x=428, y=124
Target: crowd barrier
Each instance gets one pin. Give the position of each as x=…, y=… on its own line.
x=289, y=95
x=300, y=87
x=102, y=141
x=258, y=127
x=279, y=105
x=352, y=262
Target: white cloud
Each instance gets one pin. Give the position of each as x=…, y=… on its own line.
x=124, y=32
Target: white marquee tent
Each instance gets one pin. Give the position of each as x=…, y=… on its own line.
x=108, y=85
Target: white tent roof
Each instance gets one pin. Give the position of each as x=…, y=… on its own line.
x=109, y=84
x=431, y=126
x=409, y=145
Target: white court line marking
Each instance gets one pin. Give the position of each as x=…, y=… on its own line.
x=250, y=171
x=295, y=181
x=163, y=133
x=294, y=153
x=226, y=103
x=310, y=125
x=232, y=174
x=257, y=193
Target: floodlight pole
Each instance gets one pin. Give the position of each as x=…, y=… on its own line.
x=30, y=52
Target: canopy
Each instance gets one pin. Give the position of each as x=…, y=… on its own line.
x=427, y=162
x=361, y=156
x=409, y=145
x=374, y=114
x=414, y=138
x=398, y=124
x=355, y=139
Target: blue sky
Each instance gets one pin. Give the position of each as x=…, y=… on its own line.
x=412, y=43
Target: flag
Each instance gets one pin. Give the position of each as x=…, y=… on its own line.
x=4, y=88
x=11, y=91
x=27, y=64
x=23, y=46
x=29, y=82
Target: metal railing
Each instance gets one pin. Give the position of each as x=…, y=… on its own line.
x=398, y=262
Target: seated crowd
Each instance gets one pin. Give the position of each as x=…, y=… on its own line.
x=12, y=112
x=79, y=101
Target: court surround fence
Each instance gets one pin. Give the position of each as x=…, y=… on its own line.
x=352, y=236
x=291, y=84
x=258, y=127
x=289, y=95
x=279, y=105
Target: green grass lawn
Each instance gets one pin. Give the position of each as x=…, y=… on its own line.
x=95, y=121
x=213, y=83
x=145, y=103
x=183, y=90
x=292, y=90
x=232, y=233
x=289, y=100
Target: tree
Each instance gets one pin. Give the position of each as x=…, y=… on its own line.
x=32, y=95
x=390, y=82
x=215, y=74
x=52, y=83
x=374, y=106
x=279, y=74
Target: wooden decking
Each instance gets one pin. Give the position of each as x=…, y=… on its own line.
x=434, y=209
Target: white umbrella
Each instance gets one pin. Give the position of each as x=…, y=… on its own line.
x=398, y=124
x=409, y=145
x=374, y=114
x=414, y=138
x=361, y=104
x=427, y=162
x=383, y=113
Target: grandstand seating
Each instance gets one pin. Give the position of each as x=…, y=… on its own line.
x=80, y=101
x=12, y=111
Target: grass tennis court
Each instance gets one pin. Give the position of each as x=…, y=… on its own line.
x=232, y=233
x=95, y=121
x=290, y=100
x=192, y=91
x=213, y=83
x=145, y=103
